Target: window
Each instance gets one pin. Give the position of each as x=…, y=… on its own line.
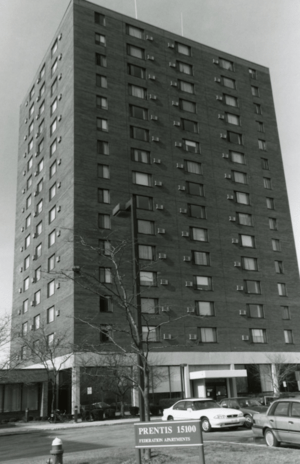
x=106, y=333
x=239, y=177
x=256, y=311
x=101, y=81
x=53, y=148
x=40, y=166
x=231, y=101
x=278, y=267
x=51, y=288
x=205, y=308
x=149, y=333
x=227, y=82
x=39, y=228
x=203, y=282
x=260, y=126
x=99, y=19
x=25, y=306
x=134, y=31
x=30, y=145
x=42, y=73
x=103, y=171
x=38, y=251
x=105, y=304
x=140, y=156
x=24, y=352
x=104, y=221
x=38, y=274
x=208, y=335
x=192, y=167
x=41, y=146
x=30, y=163
x=254, y=91
x=101, y=60
x=237, y=157
x=188, y=106
x=276, y=244
x=26, y=284
x=31, y=93
x=102, y=124
x=28, y=221
x=50, y=340
x=52, y=214
x=270, y=203
x=54, y=87
x=53, y=127
x=54, y=67
x=39, y=186
x=102, y=147
x=103, y=196
x=52, y=191
x=288, y=338
x=273, y=224
x=252, y=73
x=149, y=305
x=53, y=107
x=30, y=128
x=285, y=312
x=226, y=64
x=264, y=163
x=199, y=234
x=183, y=49
x=190, y=126
x=136, y=71
x=138, y=133
x=191, y=146
x=27, y=241
x=54, y=48
x=52, y=170
x=145, y=227
x=184, y=68
x=247, y=241
x=42, y=108
x=24, y=328
x=138, y=112
x=253, y=286
x=146, y=252
x=201, y=258
x=197, y=211
x=233, y=137
x=249, y=264
x=26, y=262
x=37, y=297
x=100, y=39
x=51, y=263
x=144, y=202
x=242, y=198
x=101, y=102
x=28, y=201
x=267, y=183
x=105, y=275
x=257, y=108
x=136, y=52
x=186, y=87
x=195, y=189
x=262, y=145
x=136, y=91
x=29, y=182
x=233, y=119
x=259, y=335
x=105, y=247
x=50, y=315
x=31, y=110
x=141, y=178
x=51, y=238
x=281, y=289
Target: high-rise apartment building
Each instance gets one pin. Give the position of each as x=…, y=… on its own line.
x=121, y=110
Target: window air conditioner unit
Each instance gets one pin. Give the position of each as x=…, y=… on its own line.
x=20, y=290
x=167, y=336
x=162, y=255
x=59, y=77
x=227, y=176
x=223, y=136
x=234, y=240
x=174, y=84
x=217, y=79
x=164, y=282
x=192, y=337
x=172, y=65
x=34, y=257
x=36, y=154
x=34, y=235
x=21, y=248
x=22, y=229
x=19, y=312
x=23, y=210
x=188, y=283
x=25, y=137
x=20, y=269
x=24, y=155
x=60, y=56
x=237, y=264
x=58, y=285
x=178, y=144
x=57, y=312
x=183, y=210
x=230, y=197
x=58, y=209
x=150, y=57
x=37, y=116
x=59, y=139
x=152, y=97
x=184, y=234
x=60, y=96
x=181, y=187
x=242, y=312
x=161, y=231
x=158, y=183
x=23, y=191
x=57, y=259
x=239, y=288
x=153, y=117
x=232, y=218
x=245, y=337
x=33, y=280
x=26, y=103
x=35, y=193
x=37, y=135
x=179, y=165
x=58, y=233
x=190, y=309
x=225, y=155
x=186, y=258
x=58, y=185
x=156, y=161
x=219, y=97
x=159, y=206
x=165, y=309
x=175, y=103
x=221, y=116
x=171, y=45
x=155, y=139
x=59, y=118
x=149, y=37
x=32, y=303
x=59, y=161
x=32, y=327
x=176, y=123
x=38, y=98
x=36, y=173
x=25, y=121
x=24, y=173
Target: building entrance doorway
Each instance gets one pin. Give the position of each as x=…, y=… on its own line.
x=216, y=389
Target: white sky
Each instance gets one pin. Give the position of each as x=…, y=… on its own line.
x=263, y=31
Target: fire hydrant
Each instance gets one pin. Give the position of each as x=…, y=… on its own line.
x=57, y=452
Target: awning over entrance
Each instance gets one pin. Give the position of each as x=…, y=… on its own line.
x=218, y=374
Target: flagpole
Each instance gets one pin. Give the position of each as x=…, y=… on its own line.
x=136, y=13
x=181, y=24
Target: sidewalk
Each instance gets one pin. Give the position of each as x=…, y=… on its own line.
x=33, y=427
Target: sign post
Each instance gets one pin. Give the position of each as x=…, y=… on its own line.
x=168, y=434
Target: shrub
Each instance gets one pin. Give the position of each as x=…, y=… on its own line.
x=110, y=413
x=134, y=410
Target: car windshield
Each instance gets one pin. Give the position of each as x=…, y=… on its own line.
x=198, y=405
x=254, y=403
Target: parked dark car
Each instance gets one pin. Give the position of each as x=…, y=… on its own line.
x=247, y=405
x=98, y=411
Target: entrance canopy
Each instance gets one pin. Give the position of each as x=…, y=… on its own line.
x=218, y=374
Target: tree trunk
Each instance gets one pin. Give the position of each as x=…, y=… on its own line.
x=147, y=451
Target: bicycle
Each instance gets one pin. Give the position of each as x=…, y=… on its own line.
x=57, y=416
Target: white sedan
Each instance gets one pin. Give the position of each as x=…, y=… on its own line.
x=208, y=411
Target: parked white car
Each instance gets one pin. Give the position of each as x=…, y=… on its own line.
x=208, y=411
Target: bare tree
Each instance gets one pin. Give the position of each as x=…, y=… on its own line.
x=5, y=338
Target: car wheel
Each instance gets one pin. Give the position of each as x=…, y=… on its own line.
x=206, y=427
x=170, y=418
x=270, y=439
x=248, y=422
